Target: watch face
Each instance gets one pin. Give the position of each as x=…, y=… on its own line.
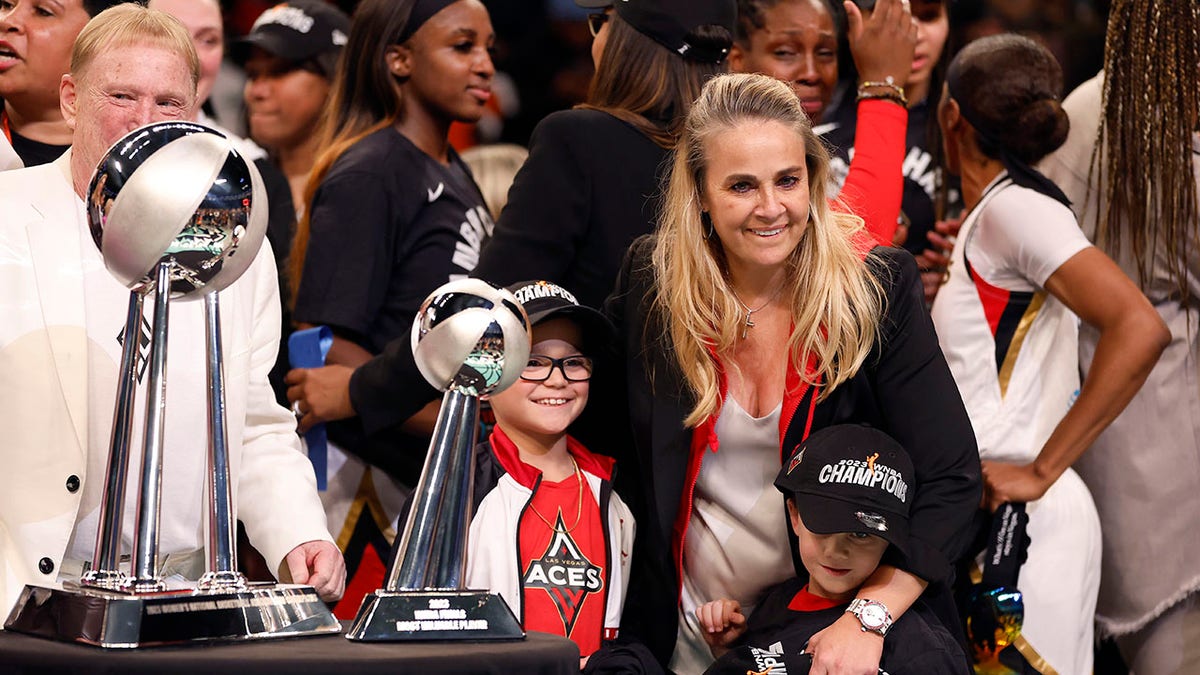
x=873, y=615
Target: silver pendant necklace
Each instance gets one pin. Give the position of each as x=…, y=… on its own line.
x=748, y=322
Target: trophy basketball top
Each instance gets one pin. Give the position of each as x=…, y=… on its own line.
x=177, y=192
x=471, y=337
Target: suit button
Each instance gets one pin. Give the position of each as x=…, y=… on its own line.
x=46, y=565
x=72, y=483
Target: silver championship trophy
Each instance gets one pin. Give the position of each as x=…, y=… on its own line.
x=178, y=214
x=468, y=339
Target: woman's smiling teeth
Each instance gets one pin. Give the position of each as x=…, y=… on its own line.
x=770, y=233
x=552, y=401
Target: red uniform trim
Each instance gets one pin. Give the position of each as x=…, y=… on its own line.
x=510, y=458
x=804, y=601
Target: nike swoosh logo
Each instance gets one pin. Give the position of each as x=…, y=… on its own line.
x=434, y=193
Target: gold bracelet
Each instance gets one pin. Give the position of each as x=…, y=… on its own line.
x=890, y=83
x=883, y=96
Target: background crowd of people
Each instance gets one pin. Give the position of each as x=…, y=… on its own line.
x=766, y=220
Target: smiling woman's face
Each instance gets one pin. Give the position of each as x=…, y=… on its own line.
x=756, y=192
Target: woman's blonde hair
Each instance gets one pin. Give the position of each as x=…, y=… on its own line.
x=127, y=24
x=835, y=299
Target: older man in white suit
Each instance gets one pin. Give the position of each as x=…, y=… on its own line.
x=60, y=340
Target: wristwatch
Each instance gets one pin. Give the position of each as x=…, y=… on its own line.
x=872, y=614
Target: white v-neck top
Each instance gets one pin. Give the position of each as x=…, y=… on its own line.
x=736, y=544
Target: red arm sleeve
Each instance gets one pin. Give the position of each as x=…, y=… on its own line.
x=875, y=181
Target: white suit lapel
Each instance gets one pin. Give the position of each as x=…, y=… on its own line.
x=54, y=248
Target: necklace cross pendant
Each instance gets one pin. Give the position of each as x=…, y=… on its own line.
x=747, y=326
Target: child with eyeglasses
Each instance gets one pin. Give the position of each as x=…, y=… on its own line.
x=549, y=534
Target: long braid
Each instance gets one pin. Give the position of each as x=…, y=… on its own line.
x=1144, y=149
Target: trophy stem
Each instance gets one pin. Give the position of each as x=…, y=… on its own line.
x=106, y=572
x=145, y=541
x=433, y=544
x=222, y=571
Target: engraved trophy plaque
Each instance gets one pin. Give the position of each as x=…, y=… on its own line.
x=178, y=215
x=468, y=339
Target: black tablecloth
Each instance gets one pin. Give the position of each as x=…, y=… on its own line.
x=539, y=653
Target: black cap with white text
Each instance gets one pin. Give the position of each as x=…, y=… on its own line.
x=851, y=478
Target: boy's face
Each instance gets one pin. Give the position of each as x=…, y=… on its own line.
x=545, y=409
x=839, y=563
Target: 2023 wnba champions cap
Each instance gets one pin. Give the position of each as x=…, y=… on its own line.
x=851, y=478
x=544, y=301
x=673, y=23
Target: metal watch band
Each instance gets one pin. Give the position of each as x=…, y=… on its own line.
x=859, y=604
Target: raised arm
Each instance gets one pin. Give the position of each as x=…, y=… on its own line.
x=882, y=45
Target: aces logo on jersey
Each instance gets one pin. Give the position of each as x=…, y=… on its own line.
x=566, y=574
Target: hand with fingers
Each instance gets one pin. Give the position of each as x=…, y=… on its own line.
x=319, y=395
x=844, y=648
x=722, y=623
x=1004, y=482
x=934, y=262
x=882, y=44
x=318, y=564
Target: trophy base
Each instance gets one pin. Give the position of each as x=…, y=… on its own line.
x=392, y=616
x=108, y=618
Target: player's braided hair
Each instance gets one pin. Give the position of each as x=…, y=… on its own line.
x=1144, y=148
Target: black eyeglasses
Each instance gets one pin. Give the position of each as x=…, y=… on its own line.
x=574, y=368
x=596, y=21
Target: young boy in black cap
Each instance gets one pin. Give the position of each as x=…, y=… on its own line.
x=848, y=490
x=548, y=533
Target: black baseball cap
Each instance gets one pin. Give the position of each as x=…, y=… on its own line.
x=299, y=30
x=544, y=300
x=671, y=23
x=851, y=478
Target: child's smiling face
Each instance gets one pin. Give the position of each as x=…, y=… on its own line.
x=839, y=563
x=545, y=409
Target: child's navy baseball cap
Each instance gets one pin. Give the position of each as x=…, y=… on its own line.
x=851, y=478
x=544, y=300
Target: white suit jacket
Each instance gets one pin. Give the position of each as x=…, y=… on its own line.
x=44, y=391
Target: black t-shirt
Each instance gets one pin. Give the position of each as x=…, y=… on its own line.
x=920, y=166
x=35, y=153
x=916, y=644
x=389, y=225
